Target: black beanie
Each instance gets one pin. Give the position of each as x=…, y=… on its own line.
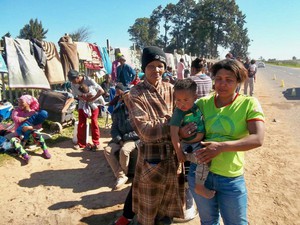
x=153, y=53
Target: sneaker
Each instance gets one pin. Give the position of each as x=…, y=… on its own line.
x=46, y=154
x=27, y=158
x=122, y=221
x=77, y=147
x=120, y=182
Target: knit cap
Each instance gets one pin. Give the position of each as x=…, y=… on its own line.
x=151, y=54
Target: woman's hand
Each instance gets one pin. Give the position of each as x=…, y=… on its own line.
x=208, y=152
x=188, y=130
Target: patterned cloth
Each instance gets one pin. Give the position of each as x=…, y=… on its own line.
x=157, y=189
x=53, y=70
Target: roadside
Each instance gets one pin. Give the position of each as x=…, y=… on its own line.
x=74, y=187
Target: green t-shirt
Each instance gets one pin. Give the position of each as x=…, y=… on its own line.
x=181, y=118
x=229, y=123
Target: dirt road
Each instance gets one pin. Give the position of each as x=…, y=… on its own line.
x=74, y=187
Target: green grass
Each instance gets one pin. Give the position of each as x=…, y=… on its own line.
x=288, y=63
x=66, y=134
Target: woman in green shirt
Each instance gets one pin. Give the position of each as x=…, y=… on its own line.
x=234, y=124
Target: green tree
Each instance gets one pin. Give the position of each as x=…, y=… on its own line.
x=181, y=19
x=154, y=26
x=163, y=16
x=139, y=33
x=33, y=30
x=218, y=23
x=82, y=34
x=197, y=28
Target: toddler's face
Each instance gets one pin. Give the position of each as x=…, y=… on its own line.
x=184, y=99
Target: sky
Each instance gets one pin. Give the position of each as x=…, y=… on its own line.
x=273, y=25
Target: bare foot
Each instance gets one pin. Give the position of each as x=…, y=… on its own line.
x=203, y=191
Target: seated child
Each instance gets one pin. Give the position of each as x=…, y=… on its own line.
x=26, y=132
x=186, y=111
x=25, y=129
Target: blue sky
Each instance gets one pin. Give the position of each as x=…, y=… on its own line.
x=273, y=25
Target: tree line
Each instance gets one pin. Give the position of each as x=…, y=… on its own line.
x=196, y=27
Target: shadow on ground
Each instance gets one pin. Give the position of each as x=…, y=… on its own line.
x=292, y=94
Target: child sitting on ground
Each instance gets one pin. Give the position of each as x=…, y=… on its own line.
x=25, y=129
x=187, y=111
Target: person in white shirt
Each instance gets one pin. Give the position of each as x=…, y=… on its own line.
x=251, y=78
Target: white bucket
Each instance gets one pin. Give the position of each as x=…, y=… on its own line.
x=76, y=130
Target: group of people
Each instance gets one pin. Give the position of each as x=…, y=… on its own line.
x=213, y=132
x=251, y=68
x=169, y=125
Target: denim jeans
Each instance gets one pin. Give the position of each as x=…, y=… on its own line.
x=35, y=119
x=230, y=200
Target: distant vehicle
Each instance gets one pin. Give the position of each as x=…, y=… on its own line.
x=261, y=65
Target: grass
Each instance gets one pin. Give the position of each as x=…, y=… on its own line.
x=66, y=134
x=289, y=63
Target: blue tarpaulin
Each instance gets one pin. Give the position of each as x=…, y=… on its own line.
x=3, y=68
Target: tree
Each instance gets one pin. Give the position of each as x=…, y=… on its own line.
x=197, y=28
x=218, y=23
x=164, y=16
x=33, y=30
x=139, y=32
x=82, y=34
x=181, y=19
x=154, y=27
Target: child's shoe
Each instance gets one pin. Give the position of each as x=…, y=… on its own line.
x=46, y=154
x=26, y=157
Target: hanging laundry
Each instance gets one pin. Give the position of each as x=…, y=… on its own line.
x=23, y=70
x=68, y=54
x=84, y=51
x=38, y=52
x=53, y=69
x=106, y=60
x=96, y=63
x=3, y=67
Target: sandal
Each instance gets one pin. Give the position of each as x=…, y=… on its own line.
x=88, y=147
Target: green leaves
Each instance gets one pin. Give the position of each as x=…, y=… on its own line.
x=198, y=28
x=33, y=30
